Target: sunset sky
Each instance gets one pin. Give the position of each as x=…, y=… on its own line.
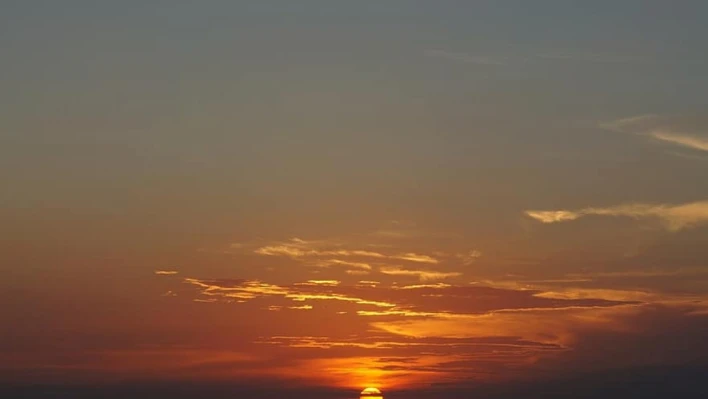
x=322, y=196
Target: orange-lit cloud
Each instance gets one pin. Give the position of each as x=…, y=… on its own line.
x=469, y=257
x=357, y=272
x=326, y=283
x=339, y=262
x=696, y=143
x=553, y=216
x=246, y=290
x=682, y=131
x=298, y=248
x=413, y=257
x=418, y=286
x=329, y=253
x=423, y=275
x=672, y=217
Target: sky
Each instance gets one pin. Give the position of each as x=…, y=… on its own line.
x=435, y=198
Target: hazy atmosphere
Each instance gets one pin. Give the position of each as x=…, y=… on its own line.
x=437, y=199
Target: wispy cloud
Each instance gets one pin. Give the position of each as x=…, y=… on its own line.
x=524, y=57
x=414, y=257
x=469, y=257
x=419, y=286
x=326, y=283
x=604, y=58
x=421, y=300
x=673, y=217
x=246, y=290
x=465, y=57
x=696, y=143
x=682, y=131
x=166, y=272
x=303, y=307
x=423, y=275
x=323, y=254
x=354, y=272
x=339, y=262
x=554, y=216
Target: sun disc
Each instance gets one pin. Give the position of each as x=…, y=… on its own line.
x=371, y=392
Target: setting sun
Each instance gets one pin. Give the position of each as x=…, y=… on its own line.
x=370, y=393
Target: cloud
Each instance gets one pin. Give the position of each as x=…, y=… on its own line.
x=553, y=216
x=417, y=286
x=519, y=58
x=166, y=272
x=396, y=360
x=696, y=143
x=421, y=300
x=673, y=217
x=470, y=257
x=453, y=331
x=682, y=131
x=298, y=248
x=303, y=307
x=282, y=250
x=357, y=272
x=413, y=257
x=591, y=57
x=338, y=262
x=586, y=338
x=594, y=293
x=423, y=275
x=246, y=290
x=326, y=283
x=465, y=58
x=325, y=254
x=397, y=229
x=633, y=285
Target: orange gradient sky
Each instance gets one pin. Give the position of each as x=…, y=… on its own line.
x=386, y=194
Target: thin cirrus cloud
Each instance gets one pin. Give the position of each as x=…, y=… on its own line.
x=326, y=283
x=590, y=57
x=423, y=275
x=672, y=217
x=357, y=258
x=355, y=261
x=435, y=300
x=297, y=248
x=414, y=257
x=297, y=252
x=490, y=60
x=465, y=58
x=338, y=262
x=695, y=143
x=469, y=257
x=355, y=272
x=681, y=131
x=166, y=272
x=242, y=291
